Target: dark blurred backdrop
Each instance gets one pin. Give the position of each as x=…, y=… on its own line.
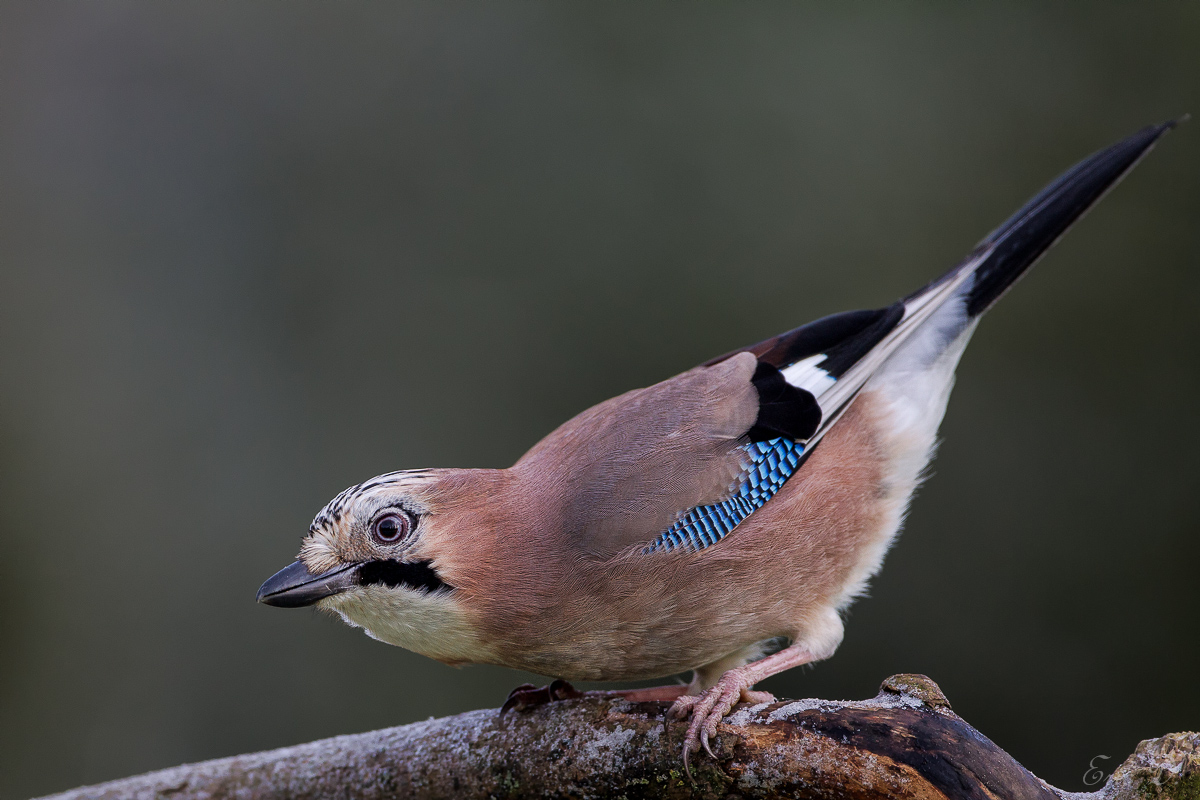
x=251, y=253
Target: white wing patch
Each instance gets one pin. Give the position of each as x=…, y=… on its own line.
x=807, y=374
x=834, y=394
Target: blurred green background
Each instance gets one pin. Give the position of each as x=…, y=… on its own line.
x=251, y=253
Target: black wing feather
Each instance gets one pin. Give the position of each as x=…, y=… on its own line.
x=783, y=409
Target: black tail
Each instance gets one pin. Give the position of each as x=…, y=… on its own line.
x=998, y=261
x=1022, y=239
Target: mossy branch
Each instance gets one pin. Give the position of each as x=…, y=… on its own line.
x=905, y=742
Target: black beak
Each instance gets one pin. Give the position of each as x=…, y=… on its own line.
x=294, y=586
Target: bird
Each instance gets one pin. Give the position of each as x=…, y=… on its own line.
x=719, y=522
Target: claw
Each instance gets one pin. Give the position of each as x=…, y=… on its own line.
x=516, y=698
x=704, y=743
x=528, y=696
x=707, y=711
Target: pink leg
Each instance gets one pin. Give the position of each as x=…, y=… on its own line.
x=708, y=709
x=650, y=693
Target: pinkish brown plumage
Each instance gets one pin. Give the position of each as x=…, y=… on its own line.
x=686, y=525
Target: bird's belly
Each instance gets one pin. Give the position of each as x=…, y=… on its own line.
x=617, y=658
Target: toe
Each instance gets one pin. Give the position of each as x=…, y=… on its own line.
x=682, y=706
x=518, y=698
x=710, y=724
x=749, y=696
x=562, y=690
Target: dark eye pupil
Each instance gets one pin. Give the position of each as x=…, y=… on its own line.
x=390, y=528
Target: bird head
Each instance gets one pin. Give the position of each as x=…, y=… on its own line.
x=373, y=556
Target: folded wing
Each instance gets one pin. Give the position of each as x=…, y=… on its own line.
x=679, y=465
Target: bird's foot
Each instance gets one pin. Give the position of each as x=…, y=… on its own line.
x=528, y=696
x=709, y=708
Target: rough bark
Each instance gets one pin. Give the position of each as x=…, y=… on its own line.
x=905, y=742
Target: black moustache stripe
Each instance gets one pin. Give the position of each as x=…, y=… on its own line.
x=418, y=575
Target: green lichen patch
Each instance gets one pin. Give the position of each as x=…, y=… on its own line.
x=1167, y=768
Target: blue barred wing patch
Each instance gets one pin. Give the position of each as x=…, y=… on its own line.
x=769, y=465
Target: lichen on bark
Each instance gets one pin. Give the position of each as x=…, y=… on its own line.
x=905, y=742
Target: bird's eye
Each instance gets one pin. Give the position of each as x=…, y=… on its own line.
x=391, y=527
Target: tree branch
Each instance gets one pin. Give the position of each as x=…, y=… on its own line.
x=905, y=742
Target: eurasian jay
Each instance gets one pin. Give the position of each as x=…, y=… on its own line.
x=689, y=524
